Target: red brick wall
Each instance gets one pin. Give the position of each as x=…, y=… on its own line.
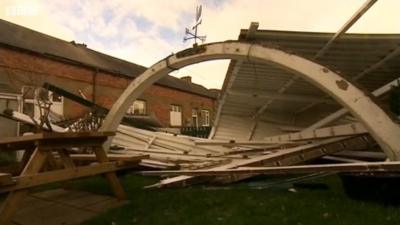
x=23, y=68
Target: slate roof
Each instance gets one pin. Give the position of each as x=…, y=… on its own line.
x=13, y=35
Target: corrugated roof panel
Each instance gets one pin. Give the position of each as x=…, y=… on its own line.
x=350, y=55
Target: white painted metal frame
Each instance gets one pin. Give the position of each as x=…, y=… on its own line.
x=376, y=121
x=343, y=111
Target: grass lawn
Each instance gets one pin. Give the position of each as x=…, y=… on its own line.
x=239, y=204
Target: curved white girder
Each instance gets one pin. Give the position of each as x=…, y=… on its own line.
x=378, y=123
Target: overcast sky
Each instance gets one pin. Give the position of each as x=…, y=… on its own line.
x=145, y=31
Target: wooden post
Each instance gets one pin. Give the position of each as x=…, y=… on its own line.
x=68, y=164
x=111, y=176
x=13, y=200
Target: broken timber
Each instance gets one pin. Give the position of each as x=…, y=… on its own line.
x=368, y=167
x=285, y=157
x=327, y=132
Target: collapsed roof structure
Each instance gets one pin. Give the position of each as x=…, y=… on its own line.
x=282, y=99
x=261, y=99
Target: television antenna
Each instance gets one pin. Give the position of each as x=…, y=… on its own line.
x=193, y=34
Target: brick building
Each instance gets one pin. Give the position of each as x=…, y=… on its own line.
x=29, y=58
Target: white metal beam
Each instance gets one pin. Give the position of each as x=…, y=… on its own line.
x=376, y=65
x=371, y=68
x=364, y=8
x=273, y=95
x=341, y=31
x=341, y=112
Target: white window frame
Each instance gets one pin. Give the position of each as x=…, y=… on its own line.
x=141, y=104
x=195, y=118
x=205, y=117
x=175, y=115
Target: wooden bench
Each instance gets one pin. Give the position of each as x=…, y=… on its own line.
x=5, y=179
x=38, y=151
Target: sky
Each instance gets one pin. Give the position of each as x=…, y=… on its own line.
x=145, y=31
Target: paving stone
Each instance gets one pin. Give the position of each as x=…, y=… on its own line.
x=33, y=205
x=62, y=207
x=106, y=205
x=53, y=214
x=85, y=201
x=61, y=195
x=51, y=193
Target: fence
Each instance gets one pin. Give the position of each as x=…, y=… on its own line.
x=201, y=132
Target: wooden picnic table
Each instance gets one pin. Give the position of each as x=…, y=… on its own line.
x=38, y=151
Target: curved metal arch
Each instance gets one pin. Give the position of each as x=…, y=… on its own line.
x=378, y=123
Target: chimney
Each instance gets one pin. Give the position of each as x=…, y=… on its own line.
x=187, y=79
x=78, y=44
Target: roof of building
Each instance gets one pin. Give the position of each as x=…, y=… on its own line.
x=27, y=39
x=276, y=96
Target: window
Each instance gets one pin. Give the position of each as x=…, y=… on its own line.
x=175, y=115
x=205, y=116
x=137, y=108
x=195, y=118
x=176, y=108
x=31, y=94
x=55, y=97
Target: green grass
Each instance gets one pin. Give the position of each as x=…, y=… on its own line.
x=238, y=204
x=6, y=158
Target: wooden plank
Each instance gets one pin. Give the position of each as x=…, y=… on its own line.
x=163, y=143
x=232, y=143
x=158, y=164
x=341, y=159
x=32, y=180
x=5, y=179
x=263, y=149
x=111, y=157
x=362, y=155
x=341, y=167
x=150, y=142
x=326, y=132
x=155, y=154
x=72, y=139
x=57, y=136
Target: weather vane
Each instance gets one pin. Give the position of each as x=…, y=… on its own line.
x=190, y=35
